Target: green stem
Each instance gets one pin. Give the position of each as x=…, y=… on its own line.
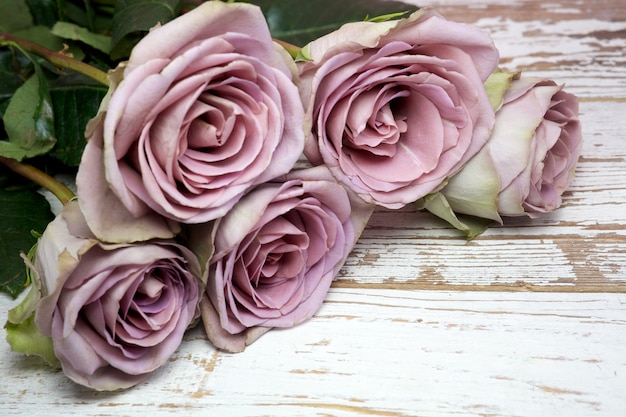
x=56, y=58
x=57, y=188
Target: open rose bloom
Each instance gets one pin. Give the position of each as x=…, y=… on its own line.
x=529, y=161
x=114, y=313
x=394, y=108
x=276, y=253
x=205, y=108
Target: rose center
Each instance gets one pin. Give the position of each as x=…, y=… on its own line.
x=282, y=251
x=268, y=272
x=372, y=124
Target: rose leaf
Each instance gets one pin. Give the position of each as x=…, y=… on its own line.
x=75, y=101
x=14, y=15
x=9, y=81
x=299, y=22
x=21, y=212
x=29, y=121
x=44, y=12
x=135, y=17
x=71, y=31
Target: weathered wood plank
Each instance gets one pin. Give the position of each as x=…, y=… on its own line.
x=540, y=264
x=580, y=43
x=379, y=352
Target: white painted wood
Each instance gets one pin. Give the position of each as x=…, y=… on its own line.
x=380, y=353
x=538, y=328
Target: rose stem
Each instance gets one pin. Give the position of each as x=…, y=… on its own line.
x=56, y=58
x=57, y=188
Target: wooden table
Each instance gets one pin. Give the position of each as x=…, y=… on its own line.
x=529, y=319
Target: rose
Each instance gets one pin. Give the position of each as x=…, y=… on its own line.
x=528, y=162
x=114, y=312
x=536, y=170
x=206, y=109
x=394, y=108
x=276, y=254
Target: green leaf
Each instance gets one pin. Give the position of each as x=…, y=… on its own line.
x=75, y=101
x=9, y=83
x=89, y=15
x=136, y=17
x=16, y=18
x=42, y=36
x=71, y=31
x=299, y=22
x=29, y=121
x=21, y=212
x=44, y=12
x=94, y=16
x=14, y=15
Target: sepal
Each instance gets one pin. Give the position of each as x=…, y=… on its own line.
x=23, y=335
x=497, y=84
x=474, y=190
x=470, y=226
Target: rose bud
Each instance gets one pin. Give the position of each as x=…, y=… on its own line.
x=205, y=108
x=276, y=253
x=112, y=313
x=529, y=160
x=394, y=108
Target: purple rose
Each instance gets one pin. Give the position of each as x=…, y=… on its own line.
x=528, y=162
x=205, y=108
x=535, y=171
x=114, y=312
x=394, y=108
x=276, y=254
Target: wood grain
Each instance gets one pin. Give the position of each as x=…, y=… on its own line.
x=380, y=353
x=529, y=319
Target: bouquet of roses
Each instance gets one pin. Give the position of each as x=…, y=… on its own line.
x=228, y=172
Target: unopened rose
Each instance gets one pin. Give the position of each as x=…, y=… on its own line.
x=530, y=158
x=276, y=254
x=536, y=171
x=114, y=312
x=206, y=108
x=394, y=108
